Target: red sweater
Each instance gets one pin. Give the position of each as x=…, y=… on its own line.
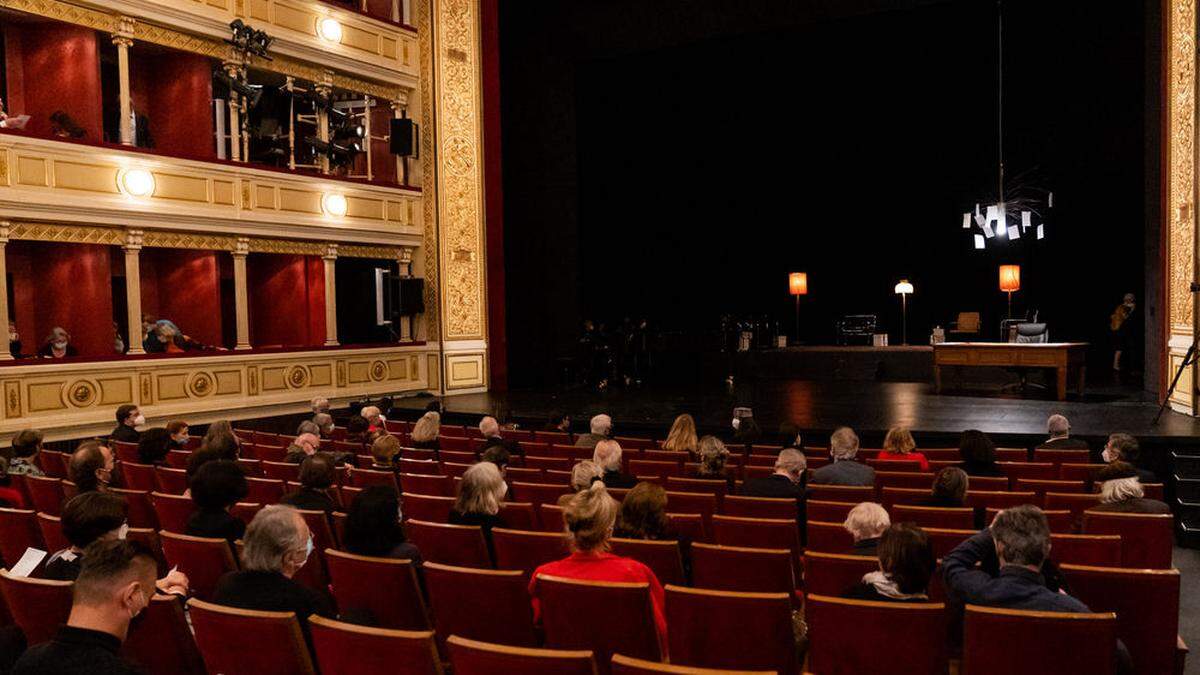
x=910, y=457
x=604, y=567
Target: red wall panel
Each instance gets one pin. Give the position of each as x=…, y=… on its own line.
x=493, y=197
x=183, y=286
x=68, y=285
x=287, y=300
x=61, y=71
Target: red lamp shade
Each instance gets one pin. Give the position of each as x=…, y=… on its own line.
x=798, y=283
x=1010, y=278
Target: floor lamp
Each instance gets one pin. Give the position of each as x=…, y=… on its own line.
x=903, y=289
x=798, y=286
x=1010, y=282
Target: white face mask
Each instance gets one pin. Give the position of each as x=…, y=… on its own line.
x=123, y=531
x=737, y=422
x=139, y=420
x=60, y=344
x=308, y=550
x=1108, y=456
x=14, y=336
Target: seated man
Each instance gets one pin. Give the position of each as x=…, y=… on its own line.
x=316, y=483
x=114, y=585
x=608, y=455
x=866, y=523
x=787, y=481
x=1060, y=435
x=128, y=419
x=92, y=467
x=320, y=405
x=324, y=422
x=1125, y=448
x=490, y=428
x=601, y=429
x=843, y=447
x=1121, y=491
x=25, y=448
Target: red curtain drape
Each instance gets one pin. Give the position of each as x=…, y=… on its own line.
x=59, y=69
x=184, y=286
x=67, y=285
x=287, y=300
x=174, y=91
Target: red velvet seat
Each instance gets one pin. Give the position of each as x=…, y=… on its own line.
x=347, y=494
x=177, y=459
x=550, y=516
x=245, y=511
x=989, y=483
x=930, y=516
x=1012, y=455
x=426, y=507
x=1034, y=470
x=736, y=568
x=272, y=453
x=251, y=467
x=662, y=557
x=385, y=589
x=904, y=479
x=1037, y=643
x=171, y=481
x=1056, y=457
x=830, y=512
x=139, y=476
x=454, y=470
x=1086, y=549
x=315, y=574
x=842, y=493
x=126, y=452
x=478, y=604
x=160, y=640
x=525, y=551
x=1060, y=520
x=423, y=484
x=525, y=475
x=723, y=629
x=369, y=477
x=418, y=466
x=459, y=457
x=471, y=657
x=649, y=467
x=702, y=503
x=946, y=540
x=1083, y=472
x=544, y=463
x=141, y=511
x=1041, y=487
x=348, y=649
x=689, y=526
x=827, y=537
x=172, y=511
x=833, y=573
x=539, y=493
x=461, y=545
x=281, y=471
x=53, y=464
x=18, y=531
x=202, y=559
x=605, y=617
x=247, y=642
x=759, y=533
x=898, y=465
x=519, y=515
x=1147, y=540
x=916, y=637
x=1000, y=499
x=46, y=494
x=1146, y=603
x=38, y=606
x=52, y=534
x=1076, y=503
x=719, y=487
x=1154, y=491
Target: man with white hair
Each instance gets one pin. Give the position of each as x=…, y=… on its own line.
x=787, y=481
x=320, y=405
x=608, y=456
x=844, y=470
x=1121, y=491
x=866, y=523
x=373, y=417
x=490, y=428
x=601, y=430
x=1060, y=435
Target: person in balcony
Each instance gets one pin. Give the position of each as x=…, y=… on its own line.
x=14, y=340
x=58, y=345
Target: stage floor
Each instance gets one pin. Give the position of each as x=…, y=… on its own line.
x=818, y=406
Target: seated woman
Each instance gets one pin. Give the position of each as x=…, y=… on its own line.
x=154, y=445
x=712, y=462
x=356, y=431
x=316, y=483
x=11, y=497
x=1121, y=491
x=899, y=445
x=978, y=454
x=866, y=523
x=425, y=433
x=682, y=436
x=92, y=517
x=644, y=515
x=590, y=516
x=218, y=485
x=906, y=564
x=373, y=526
x=384, y=453
x=23, y=454
x=58, y=345
x=479, y=499
x=950, y=492
x=583, y=474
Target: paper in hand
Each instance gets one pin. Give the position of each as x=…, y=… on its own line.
x=979, y=220
x=28, y=562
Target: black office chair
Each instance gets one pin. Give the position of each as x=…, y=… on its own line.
x=1028, y=332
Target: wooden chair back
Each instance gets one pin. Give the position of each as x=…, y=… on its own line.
x=1033, y=470
x=998, y=500
x=264, y=490
x=1038, y=643
x=842, y=493
x=836, y=627
x=1147, y=539
x=430, y=508
x=249, y=642
x=946, y=540
x=38, y=606
x=913, y=480
x=539, y=493
x=834, y=573
x=1040, y=487
x=929, y=516
x=526, y=551
x=477, y=604
x=160, y=640
x=52, y=533
x=898, y=466
x=364, y=478
x=759, y=533
x=471, y=657
x=1061, y=521
x=1086, y=549
x=46, y=494
x=625, y=665
x=550, y=517
x=171, y=481
x=139, y=476
x=519, y=516
x=172, y=511
x=1074, y=502
x=349, y=649
x=830, y=512
x=827, y=537
x=662, y=557
x=202, y=559
x=690, y=526
x=724, y=629
x=759, y=507
x=18, y=531
x=382, y=590
x=1056, y=456
x=461, y=545
x=736, y=568
x=281, y=470
x=619, y=618
x=419, y=466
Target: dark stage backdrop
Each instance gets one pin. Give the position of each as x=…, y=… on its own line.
x=681, y=175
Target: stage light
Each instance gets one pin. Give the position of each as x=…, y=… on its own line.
x=334, y=204
x=329, y=30
x=798, y=283
x=903, y=289
x=137, y=182
x=1010, y=282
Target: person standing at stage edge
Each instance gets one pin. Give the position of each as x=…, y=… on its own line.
x=1121, y=326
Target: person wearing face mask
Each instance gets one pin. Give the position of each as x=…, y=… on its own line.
x=58, y=345
x=93, y=467
x=1124, y=448
x=114, y=585
x=92, y=517
x=1121, y=326
x=129, y=417
x=277, y=544
x=14, y=340
x=178, y=430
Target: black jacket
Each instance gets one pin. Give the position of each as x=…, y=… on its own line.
x=125, y=434
x=616, y=479
x=272, y=592
x=513, y=447
x=865, y=547
x=216, y=525
x=308, y=499
x=773, y=486
x=75, y=651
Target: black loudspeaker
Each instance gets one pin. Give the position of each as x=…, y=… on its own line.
x=412, y=296
x=403, y=137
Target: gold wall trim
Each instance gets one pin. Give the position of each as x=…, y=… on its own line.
x=424, y=11
x=287, y=247
x=208, y=242
x=67, y=234
x=377, y=252
x=1181, y=112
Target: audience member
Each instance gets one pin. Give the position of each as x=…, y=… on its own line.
x=745, y=428
x=308, y=427
x=217, y=486
x=906, y=564
x=787, y=481
x=277, y=544
x=480, y=497
x=10, y=496
x=305, y=445
x=866, y=523
x=899, y=445
x=384, y=453
x=374, y=418
x=57, y=345
x=1060, y=435
x=949, y=489
x=497, y=455
x=220, y=436
x=114, y=585
x=558, y=422
x=978, y=454
x=356, y=431
x=583, y=474
x=1124, y=448
x=154, y=445
x=129, y=417
x=23, y=455
x=178, y=430
x=643, y=514
x=790, y=436
x=589, y=518
x=324, y=422
x=608, y=455
x=319, y=406
x=14, y=341
x=682, y=436
x=713, y=456
x=1121, y=491
x=490, y=428
x=93, y=467
x=214, y=446
x=316, y=482
x=844, y=470
x=426, y=432
x=373, y=526
x=601, y=428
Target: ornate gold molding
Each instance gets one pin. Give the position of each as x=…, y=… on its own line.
x=423, y=10
x=360, y=251
x=287, y=247
x=67, y=234
x=1181, y=121
x=208, y=242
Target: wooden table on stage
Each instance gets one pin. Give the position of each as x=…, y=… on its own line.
x=1061, y=356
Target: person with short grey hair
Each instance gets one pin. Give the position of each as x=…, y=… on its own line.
x=308, y=427
x=601, y=429
x=1059, y=429
x=844, y=470
x=320, y=405
x=1123, y=447
x=489, y=428
x=608, y=456
x=324, y=422
x=1121, y=491
x=277, y=544
x=866, y=523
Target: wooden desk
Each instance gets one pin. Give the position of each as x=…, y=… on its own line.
x=1061, y=356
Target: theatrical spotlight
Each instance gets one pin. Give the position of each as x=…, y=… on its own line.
x=252, y=92
x=249, y=40
x=348, y=132
x=339, y=155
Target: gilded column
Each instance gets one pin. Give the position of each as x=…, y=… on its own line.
x=123, y=42
x=405, y=258
x=330, y=258
x=1179, y=212
x=5, y=355
x=234, y=69
x=241, y=298
x=133, y=289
